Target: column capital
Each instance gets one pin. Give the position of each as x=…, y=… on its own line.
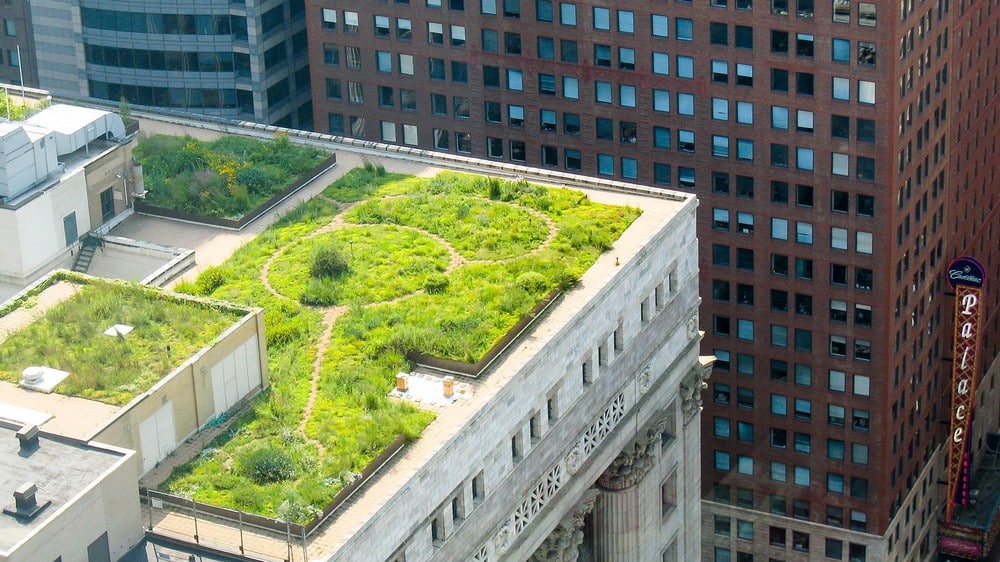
x=563, y=544
x=693, y=384
x=634, y=462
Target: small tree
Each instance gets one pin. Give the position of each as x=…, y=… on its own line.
x=124, y=109
x=328, y=261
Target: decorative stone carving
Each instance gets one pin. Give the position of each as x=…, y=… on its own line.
x=644, y=380
x=574, y=459
x=563, y=544
x=503, y=538
x=633, y=463
x=692, y=386
x=692, y=327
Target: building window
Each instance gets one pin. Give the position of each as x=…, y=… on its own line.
x=718, y=33
x=442, y=139
x=626, y=21
x=800, y=541
x=602, y=55
x=835, y=415
x=835, y=449
x=491, y=41
x=803, y=232
x=841, y=51
x=404, y=29
x=804, y=42
x=779, y=405
x=841, y=89
x=684, y=29
x=867, y=14
x=842, y=11
x=494, y=147
x=573, y=159
x=860, y=419
x=331, y=54
x=802, y=476
x=406, y=65
x=567, y=13
x=515, y=80
x=518, y=153
x=329, y=19
x=382, y=26
x=550, y=156
x=722, y=463
x=837, y=382
x=658, y=25
x=859, y=522
x=859, y=453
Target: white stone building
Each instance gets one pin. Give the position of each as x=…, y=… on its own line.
x=63, y=173
x=582, y=443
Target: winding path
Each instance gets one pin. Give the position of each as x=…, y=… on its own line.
x=332, y=313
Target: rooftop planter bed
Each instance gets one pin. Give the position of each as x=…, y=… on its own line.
x=222, y=179
x=444, y=266
x=112, y=369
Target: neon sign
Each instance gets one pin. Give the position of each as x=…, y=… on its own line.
x=967, y=277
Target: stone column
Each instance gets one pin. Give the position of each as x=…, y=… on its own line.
x=617, y=516
x=563, y=544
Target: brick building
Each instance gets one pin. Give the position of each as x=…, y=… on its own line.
x=843, y=152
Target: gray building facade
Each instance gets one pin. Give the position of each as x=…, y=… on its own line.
x=245, y=60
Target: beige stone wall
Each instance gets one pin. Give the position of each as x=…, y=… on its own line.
x=101, y=174
x=188, y=390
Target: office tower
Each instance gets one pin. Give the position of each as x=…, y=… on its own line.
x=843, y=152
x=244, y=60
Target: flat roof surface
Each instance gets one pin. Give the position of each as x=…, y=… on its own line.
x=62, y=470
x=62, y=325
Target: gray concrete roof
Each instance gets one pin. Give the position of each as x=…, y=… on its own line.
x=61, y=468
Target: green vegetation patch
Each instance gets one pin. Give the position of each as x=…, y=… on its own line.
x=402, y=298
x=114, y=369
x=225, y=178
x=476, y=227
x=383, y=263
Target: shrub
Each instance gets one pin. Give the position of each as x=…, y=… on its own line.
x=436, y=283
x=377, y=170
x=531, y=281
x=267, y=464
x=253, y=179
x=209, y=280
x=328, y=261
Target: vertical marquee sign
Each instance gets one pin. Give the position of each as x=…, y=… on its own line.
x=966, y=276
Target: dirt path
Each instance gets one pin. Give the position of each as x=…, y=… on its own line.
x=331, y=314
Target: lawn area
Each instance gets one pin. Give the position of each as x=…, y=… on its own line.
x=225, y=178
x=443, y=266
x=113, y=369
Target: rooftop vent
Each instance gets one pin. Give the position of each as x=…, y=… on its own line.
x=28, y=437
x=26, y=506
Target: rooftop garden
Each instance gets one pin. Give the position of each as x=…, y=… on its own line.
x=113, y=369
x=379, y=266
x=225, y=178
